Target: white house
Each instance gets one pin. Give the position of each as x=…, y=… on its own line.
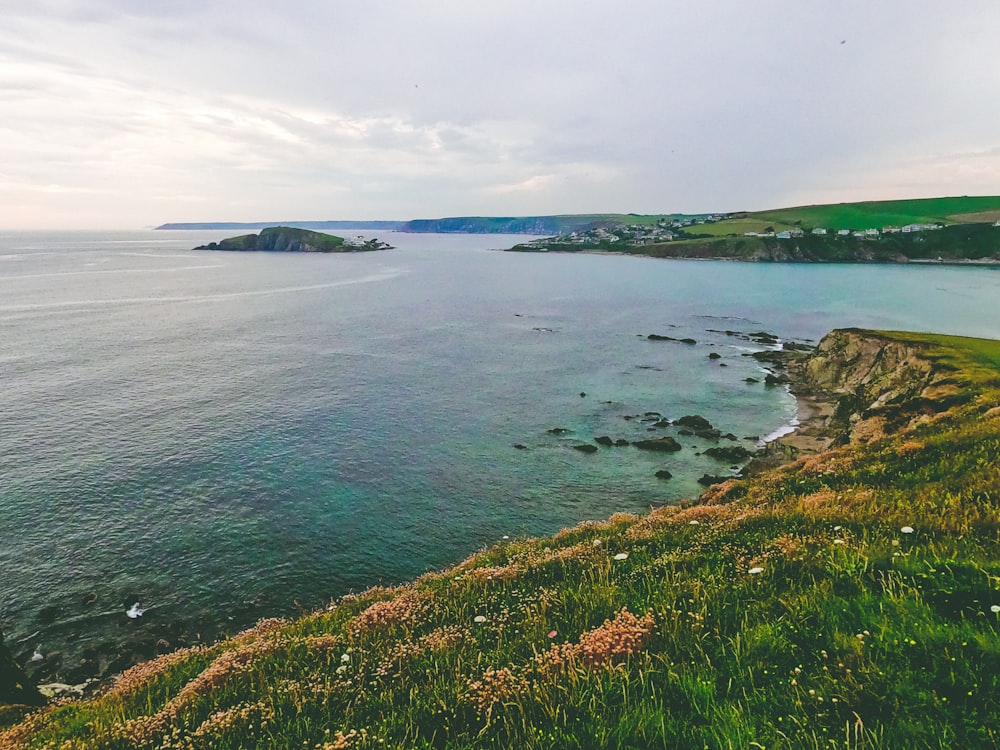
x=843, y=232
x=819, y=230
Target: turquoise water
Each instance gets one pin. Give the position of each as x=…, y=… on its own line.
x=222, y=436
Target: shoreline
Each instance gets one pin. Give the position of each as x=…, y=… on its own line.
x=983, y=262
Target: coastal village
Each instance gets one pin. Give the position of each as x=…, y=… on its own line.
x=665, y=230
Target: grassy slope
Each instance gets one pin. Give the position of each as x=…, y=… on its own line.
x=877, y=214
x=853, y=634
x=865, y=215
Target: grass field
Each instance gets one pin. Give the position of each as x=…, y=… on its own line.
x=878, y=214
x=849, y=599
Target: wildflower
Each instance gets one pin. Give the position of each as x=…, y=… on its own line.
x=553, y=634
x=479, y=618
x=995, y=608
x=837, y=528
x=345, y=658
x=342, y=669
x=839, y=541
x=621, y=556
x=495, y=686
x=597, y=542
x=694, y=522
x=907, y=529
x=755, y=571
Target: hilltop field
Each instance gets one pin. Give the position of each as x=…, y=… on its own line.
x=846, y=598
x=929, y=230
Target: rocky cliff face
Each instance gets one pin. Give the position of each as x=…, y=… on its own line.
x=878, y=384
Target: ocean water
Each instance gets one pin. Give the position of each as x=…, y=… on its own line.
x=221, y=436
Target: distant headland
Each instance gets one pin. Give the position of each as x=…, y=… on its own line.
x=870, y=231
x=294, y=240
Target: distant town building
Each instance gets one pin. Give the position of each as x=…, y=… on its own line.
x=819, y=230
x=843, y=232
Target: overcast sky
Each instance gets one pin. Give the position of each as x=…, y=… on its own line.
x=129, y=113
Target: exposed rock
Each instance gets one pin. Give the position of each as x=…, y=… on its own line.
x=751, y=380
x=772, y=380
x=557, y=431
x=707, y=480
x=621, y=442
x=730, y=453
x=688, y=341
x=714, y=355
x=663, y=474
x=521, y=446
x=665, y=444
x=585, y=448
x=15, y=687
x=695, y=422
x=604, y=440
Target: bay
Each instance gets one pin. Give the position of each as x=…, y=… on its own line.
x=225, y=436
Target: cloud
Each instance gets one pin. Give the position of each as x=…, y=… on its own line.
x=401, y=109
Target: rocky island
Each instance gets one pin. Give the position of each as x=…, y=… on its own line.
x=294, y=240
x=846, y=595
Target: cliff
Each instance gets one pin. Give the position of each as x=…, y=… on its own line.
x=849, y=597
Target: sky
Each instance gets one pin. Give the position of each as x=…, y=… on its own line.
x=130, y=113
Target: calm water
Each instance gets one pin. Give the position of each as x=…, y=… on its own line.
x=218, y=436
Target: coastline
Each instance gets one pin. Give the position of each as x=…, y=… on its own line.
x=978, y=262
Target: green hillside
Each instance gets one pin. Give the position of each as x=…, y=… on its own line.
x=878, y=214
x=847, y=599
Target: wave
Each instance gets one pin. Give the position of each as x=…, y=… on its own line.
x=219, y=297
x=109, y=271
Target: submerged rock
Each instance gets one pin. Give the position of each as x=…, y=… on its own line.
x=585, y=448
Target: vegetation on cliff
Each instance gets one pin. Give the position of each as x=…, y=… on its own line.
x=849, y=598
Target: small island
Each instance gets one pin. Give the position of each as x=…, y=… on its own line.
x=293, y=240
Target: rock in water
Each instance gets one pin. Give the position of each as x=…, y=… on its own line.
x=663, y=444
x=663, y=474
x=730, y=453
x=585, y=448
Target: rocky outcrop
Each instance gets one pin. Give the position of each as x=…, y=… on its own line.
x=15, y=687
x=663, y=444
x=878, y=384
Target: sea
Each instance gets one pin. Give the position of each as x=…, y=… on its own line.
x=192, y=440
